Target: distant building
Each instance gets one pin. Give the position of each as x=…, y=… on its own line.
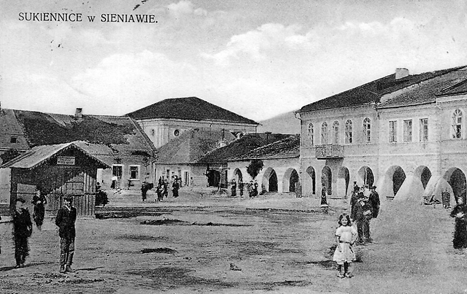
x=218, y=162
x=169, y=118
x=405, y=134
x=281, y=160
x=117, y=141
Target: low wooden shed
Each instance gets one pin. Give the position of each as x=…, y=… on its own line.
x=59, y=170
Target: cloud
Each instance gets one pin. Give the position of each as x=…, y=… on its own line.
x=256, y=43
x=182, y=8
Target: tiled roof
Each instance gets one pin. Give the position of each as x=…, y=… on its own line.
x=373, y=91
x=449, y=83
x=240, y=147
x=286, y=148
x=121, y=134
x=191, y=145
x=189, y=108
x=41, y=154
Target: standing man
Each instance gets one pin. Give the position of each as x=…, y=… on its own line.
x=66, y=218
x=22, y=230
x=374, y=201
x=361, y=215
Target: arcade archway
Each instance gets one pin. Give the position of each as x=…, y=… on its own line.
x=269, y=181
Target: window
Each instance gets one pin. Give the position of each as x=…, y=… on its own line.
x=117, y=170
x=408, y=130
x=367, y=130
x=13, y=140
x=348, y=132
x=176, y=133
x=457, y=124
x=324, y=133
x=423, y=130
x=392, y=131
x=134, y=172
x=311, y=134
x=335, y=129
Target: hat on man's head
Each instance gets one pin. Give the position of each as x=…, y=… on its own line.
x=68, y=198
x=19, y=199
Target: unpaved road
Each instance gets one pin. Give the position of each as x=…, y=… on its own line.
x=231, y=249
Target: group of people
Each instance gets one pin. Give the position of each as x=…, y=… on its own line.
x=252, y=188
x=162, y=189
x=23, y=227
x=364, y=206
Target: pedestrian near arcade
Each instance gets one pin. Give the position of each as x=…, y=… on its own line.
x=361, y=215
x=233, y=188
x=66, y=218
x=22, y=230
x=240, y=187
x=374, y=201
x=354, y=197
x=39, y=201
x=460, y=228
x=344, y=254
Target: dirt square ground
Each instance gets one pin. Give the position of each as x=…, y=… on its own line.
x=212, y=243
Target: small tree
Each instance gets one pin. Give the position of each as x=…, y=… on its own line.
x=9, y=155
x=255, y=166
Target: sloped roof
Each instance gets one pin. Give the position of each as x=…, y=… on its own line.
x=191, y=145
x=121, y=134
x=41, y=154
x=451, y=83
x=240, y=147
x=188, y=108
x=286, y=148
x=373, y=91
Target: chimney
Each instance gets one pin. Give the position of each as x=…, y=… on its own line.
x=79, y=113
x=401, y=73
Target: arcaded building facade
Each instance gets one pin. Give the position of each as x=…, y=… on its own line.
x=405, y=134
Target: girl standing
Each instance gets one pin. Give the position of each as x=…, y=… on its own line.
x=346, y=235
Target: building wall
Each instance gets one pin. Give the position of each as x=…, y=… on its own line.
x=439, y=156
x=143, y=167
x=161, y=131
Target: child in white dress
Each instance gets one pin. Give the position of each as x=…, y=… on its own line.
x=346, y=235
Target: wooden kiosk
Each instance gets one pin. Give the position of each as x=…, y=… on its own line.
x=59, y=170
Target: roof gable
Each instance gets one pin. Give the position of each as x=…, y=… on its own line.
x=39, y=155
x=192, y=145
x=188, y=108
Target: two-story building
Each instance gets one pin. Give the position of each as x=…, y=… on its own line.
x=169, y=118
x=405, y=134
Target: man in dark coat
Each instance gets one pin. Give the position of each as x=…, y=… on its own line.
x=22, y=230
x=374, y=201
x=460, y=230
x=354, y=197
x=175, y=187
x=362, y=214
x=66, y=218
x=39, y=200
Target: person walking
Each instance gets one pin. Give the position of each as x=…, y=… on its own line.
x=144, y=190
x=233, y=188
x=374, y=201
x=354, y=197
x=459, y=213
x=175, y=187
x=361, y=215
x=344, y=253
x=39, y=200
x=66, y=218
x=240, y=187
x=22, y=230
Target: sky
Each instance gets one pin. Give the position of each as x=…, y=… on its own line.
x=256, y=58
